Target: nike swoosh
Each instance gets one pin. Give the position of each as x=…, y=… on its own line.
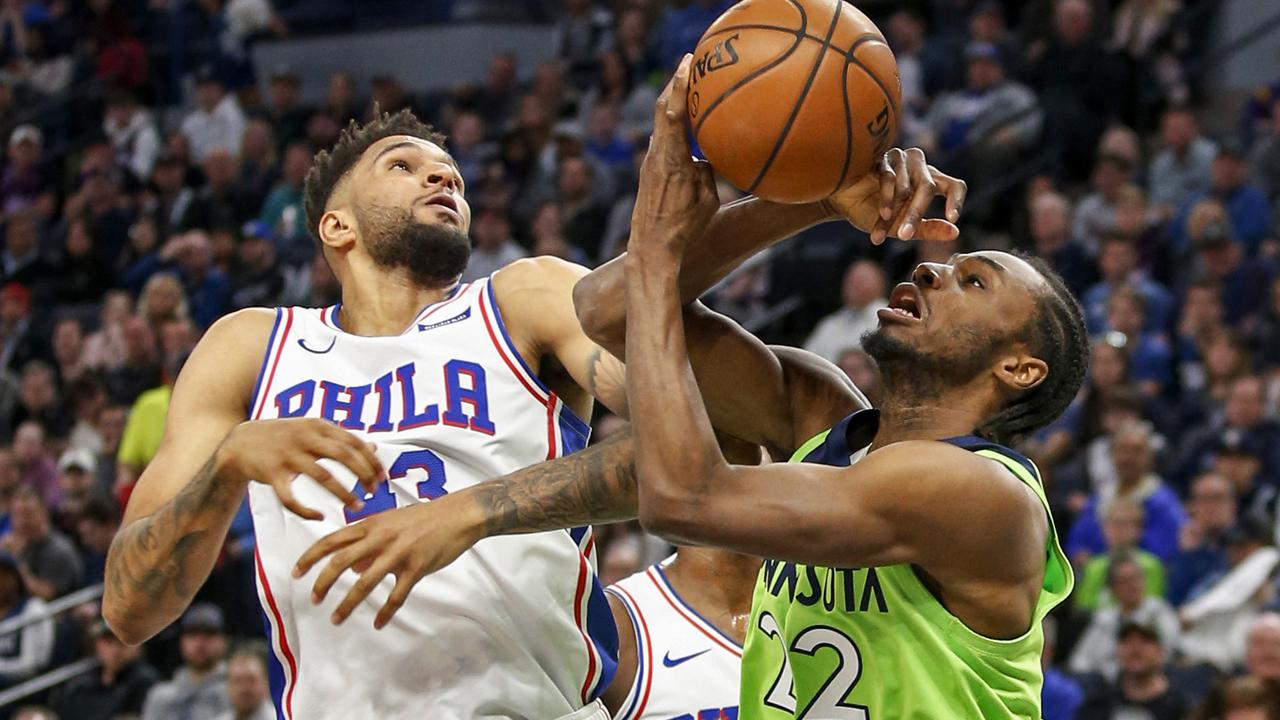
x=302, y=343
x=668, y=662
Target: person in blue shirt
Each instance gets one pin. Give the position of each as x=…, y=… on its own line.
x=681, y=28
x=1246, y=204
x=1061, y=695
x=1133, y=455
x=1150, y=355
x=1118, y=266
x=1202, y=542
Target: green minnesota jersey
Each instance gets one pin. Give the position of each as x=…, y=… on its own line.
x=874, y=644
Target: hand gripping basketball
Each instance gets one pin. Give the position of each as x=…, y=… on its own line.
x=677, y=195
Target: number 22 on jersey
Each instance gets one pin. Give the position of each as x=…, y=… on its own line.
x=828, y=702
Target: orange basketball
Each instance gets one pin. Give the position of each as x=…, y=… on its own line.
x=791, y=100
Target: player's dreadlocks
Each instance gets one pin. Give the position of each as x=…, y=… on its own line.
x=330, y=165
x=1056, y=335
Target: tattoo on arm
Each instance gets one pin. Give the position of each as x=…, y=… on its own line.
x=607, y=380
x=595, y=485
x=152, y=556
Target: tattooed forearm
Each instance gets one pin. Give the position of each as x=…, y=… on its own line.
x=592, y=486
x=607, y=380
x=156, y=564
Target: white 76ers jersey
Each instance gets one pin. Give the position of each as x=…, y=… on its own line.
x=518, y=627
x=686, y=668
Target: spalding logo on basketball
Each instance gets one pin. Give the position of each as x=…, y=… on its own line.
x=792, y=100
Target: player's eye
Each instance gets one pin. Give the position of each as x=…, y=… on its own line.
x=973, y=280
x=400, y=164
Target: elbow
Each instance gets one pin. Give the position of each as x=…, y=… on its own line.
x=124, y=622
x=672, y=514
x=604, y=326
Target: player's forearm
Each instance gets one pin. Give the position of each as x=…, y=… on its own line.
x=156, y=563
x=595, y=485
x=738, y=231
x=676, y=451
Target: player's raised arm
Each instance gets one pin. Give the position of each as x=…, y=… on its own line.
x=889, y=202
x=178, y=515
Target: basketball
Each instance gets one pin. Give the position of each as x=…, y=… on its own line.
x=792, y=100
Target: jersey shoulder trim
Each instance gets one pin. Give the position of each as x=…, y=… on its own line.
x=686, y=611
x=642, y=683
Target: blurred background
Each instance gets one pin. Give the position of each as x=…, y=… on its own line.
x=154, y=153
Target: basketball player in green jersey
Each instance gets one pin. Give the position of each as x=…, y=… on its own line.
x=912, y=556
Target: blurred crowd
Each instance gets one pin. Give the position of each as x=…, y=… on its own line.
x=152, y=182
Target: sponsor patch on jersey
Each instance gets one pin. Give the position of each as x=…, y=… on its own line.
x=455, y=319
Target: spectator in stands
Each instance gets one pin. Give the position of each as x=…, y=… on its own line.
x=635, y=44
x=247, y=685
x=207, y=289
x=1209, y=357
x=1133, y=456
x=1096, y=652
x=26, y=652
x=1202, y=552
x=1264, y=158
x=34, y=463
x=163, y=298
x=21, y=261
x=861, y=368
x=1262, y=648
x=1118, y=267
x=1074, y=76
x=1217, y=616
x=110, y=426
x=863, y=293
x=1240, y=698
x=222, y=202
x=100, y=199
x=1241, y=421
x=198, y=690
x=467, y=145
x=1181, y=168
x=493, y=246
x=86, y=397
x=17, y=343
x=285, y=110
x=118, y=687
x=23, y=179
x=989, y=123
x=1222, y=260
x=583, y=32
x=1246, y=205
x=282, y=210
x=140, y=369
x=38, y=400
x=98, y=522
x=1060, y=695
x=1051, y=236
x=49, y=563
x=259, y=160
x=1142, y=688
x=76, y=484
x=1263, y=331
x=1122, y=530
x=549, y=238
x=1095, y=214
x=79, y=267
x=606, y=143
x=340, y=103
x=582, y=215
x=217, y=122
x=257, y=280
x=632, y=97
x=132, y=133
x=1150, y=356
x=144, y=430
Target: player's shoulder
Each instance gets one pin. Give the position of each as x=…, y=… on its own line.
x=237, y=339
x=543, y=271
x=944, y=471
x=242, y=325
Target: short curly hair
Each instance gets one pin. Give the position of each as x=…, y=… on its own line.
x=330, y=166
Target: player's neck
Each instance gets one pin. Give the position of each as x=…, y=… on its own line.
x=905, y=416
x=720, y=587
x=384, y=304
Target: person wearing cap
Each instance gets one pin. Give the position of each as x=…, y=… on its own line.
x=217, y=121
x=1246, y=205
x=28, y=651
x=1216, y=617
x=117, y=687
x=1143, y=688
x=1096, y=650
x=22, y=181
x=257, y=280
x=76, y=473
x=198, y=690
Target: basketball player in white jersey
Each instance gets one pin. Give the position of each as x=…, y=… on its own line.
x=412, y=388
x=681, y=625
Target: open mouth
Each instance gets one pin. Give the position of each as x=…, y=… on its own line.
x=905, y=303
x=444, y=200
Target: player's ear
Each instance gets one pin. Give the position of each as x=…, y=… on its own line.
x=1021, y=372
x=337, y=230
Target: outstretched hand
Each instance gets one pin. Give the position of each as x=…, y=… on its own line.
x=677, y=195
x=891, y=200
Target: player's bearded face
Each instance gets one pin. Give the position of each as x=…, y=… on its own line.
x=434, y=254
x=926, y=364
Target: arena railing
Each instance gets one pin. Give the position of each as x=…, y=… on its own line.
x=62, y=673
